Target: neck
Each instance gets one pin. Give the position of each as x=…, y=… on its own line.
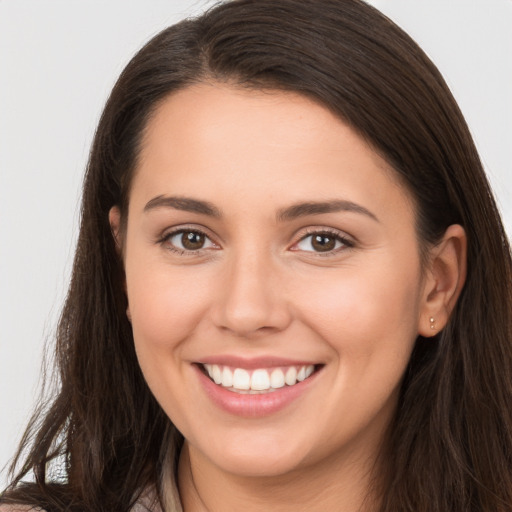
x=340, y=484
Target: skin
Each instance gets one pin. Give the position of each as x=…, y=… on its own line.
x=259, y=288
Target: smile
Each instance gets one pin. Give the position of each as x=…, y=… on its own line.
x=257, y=387
x=257, y=381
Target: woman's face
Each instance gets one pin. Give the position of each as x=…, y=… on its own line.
x=271, y=250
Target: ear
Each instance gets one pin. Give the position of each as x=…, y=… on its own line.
x=443, y=281
x=114, y=219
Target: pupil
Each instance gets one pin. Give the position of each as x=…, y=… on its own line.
x=192, y=240
x=323, y=243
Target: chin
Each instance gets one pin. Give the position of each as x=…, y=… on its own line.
x=252, y=465
x=264, y=457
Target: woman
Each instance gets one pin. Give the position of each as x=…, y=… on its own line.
x=292, y=288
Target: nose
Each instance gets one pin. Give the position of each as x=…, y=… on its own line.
x=251, y=299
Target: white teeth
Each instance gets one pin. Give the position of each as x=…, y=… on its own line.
x=277, y=379
x=227, y=378
x=261, y=380
x=216, y=374
x=241, y=379
x=291, y=376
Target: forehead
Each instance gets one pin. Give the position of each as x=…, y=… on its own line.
x=220, y=115
x=278, y=144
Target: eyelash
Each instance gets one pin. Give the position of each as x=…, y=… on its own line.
x=166, y=240
x=345, y=242
x=339, y=237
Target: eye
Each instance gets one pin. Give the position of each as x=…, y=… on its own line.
x=322, y=242
x=188, y=240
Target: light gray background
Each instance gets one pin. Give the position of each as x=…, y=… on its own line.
x=58, y=61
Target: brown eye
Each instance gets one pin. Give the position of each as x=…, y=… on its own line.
x=322, y=242
x=189, y=240
x=192, y=240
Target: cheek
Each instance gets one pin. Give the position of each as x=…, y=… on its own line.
x=369, y=319
x=362, y=303
x=166, y=304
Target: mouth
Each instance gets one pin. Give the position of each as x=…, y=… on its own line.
x=259, y=380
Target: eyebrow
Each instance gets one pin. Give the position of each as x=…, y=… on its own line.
x=183, y=203
x=285, y=214
x=316, y=208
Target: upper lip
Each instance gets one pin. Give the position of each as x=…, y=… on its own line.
x=253, y=363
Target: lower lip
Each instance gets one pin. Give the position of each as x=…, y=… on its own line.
x=257, y=405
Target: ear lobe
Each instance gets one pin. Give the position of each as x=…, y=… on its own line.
x=444, y=280
x=114, y=219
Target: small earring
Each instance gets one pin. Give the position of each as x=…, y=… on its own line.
x=432, y=323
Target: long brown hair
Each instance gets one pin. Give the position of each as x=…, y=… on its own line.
x=450, y=446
